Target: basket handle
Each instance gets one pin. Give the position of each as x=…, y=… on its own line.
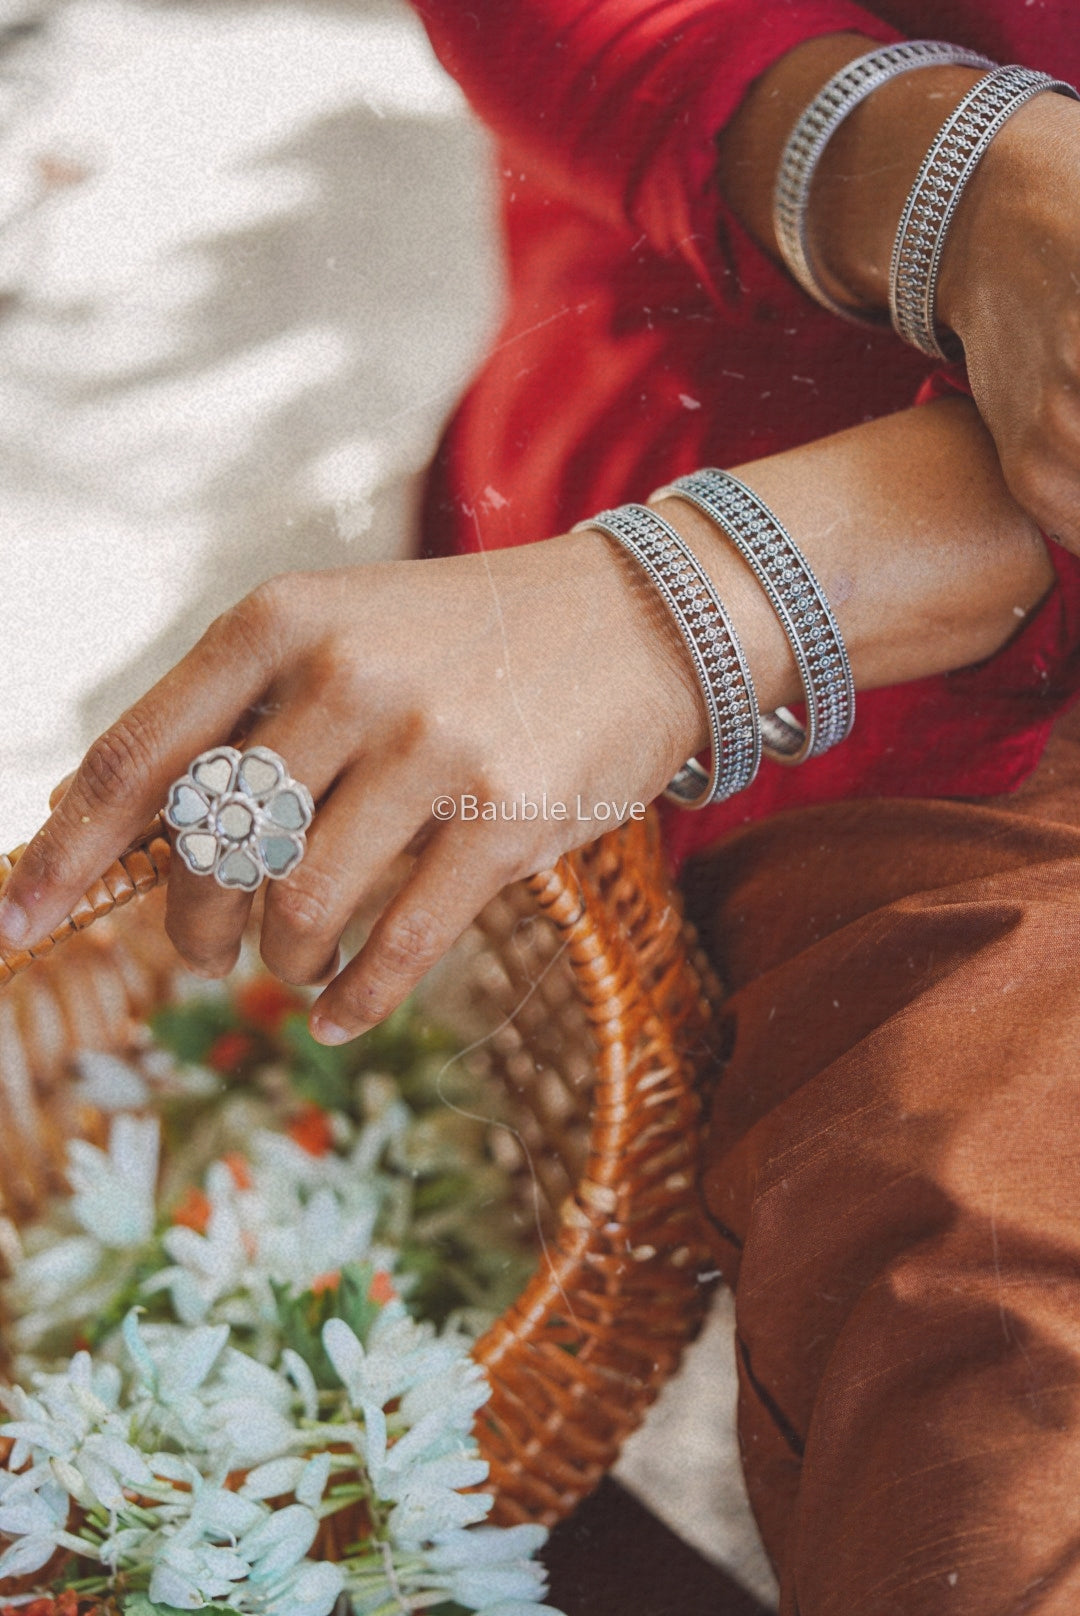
x=140, y=868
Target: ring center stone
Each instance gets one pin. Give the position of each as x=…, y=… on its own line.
x=235, y=821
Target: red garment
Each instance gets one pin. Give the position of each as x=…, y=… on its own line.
x=647, y=334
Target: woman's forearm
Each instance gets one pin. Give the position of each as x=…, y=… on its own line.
x=928, y=562
x=867, y=168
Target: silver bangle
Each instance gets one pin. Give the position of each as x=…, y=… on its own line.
x=800, y=603
x=714, y=648
x=957, y=149
x=812, y=133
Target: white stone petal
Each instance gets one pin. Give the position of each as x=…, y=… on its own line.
x=280, y=854
x=287, y=809
x=238, y=868
x=260, y=771
x=198, y=849
x=215, y=771
x=186, y=806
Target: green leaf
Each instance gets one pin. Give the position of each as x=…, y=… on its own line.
x=189, y=1030
x=302, y=1316
x=320, y=1072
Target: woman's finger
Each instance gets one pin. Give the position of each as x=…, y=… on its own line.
x=450, y=885
x=361, y=828
x=205, y=922
x=58, y=791
x=125, y=776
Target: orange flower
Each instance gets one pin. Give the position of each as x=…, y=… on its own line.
x=229, y=1051
x=194, y=1210
x=239, y=1169
x=66, y=1604
x=311, y=1130
x=381, y=1289
x=326, y=1282
x=266, y=1002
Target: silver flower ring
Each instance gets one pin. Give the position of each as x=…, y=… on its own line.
x=239, y=816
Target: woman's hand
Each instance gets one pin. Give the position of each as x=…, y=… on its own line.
x=1010, y=289
x=547, y=669
x=551, y=669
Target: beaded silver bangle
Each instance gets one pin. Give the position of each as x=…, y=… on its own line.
x=957, y=149
x=714, y=647
x=812, y=133
x=799, y=602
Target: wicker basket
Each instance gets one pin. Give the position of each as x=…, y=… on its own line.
x=601, y=1012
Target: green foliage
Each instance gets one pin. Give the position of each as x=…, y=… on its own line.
x=320, y=1073
x=302, y=1317
x=189, y=1030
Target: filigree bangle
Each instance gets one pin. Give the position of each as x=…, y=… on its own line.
x=957, y=149
x=714, y=648
x=815, y=128
x=800, y=603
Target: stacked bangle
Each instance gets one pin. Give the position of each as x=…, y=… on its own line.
x=799, y=602
x=713, y=645
x=812, y=133
x=738, y=732
x=953, y=157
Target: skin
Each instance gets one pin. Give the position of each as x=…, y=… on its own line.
x=551, y=667
x=1010, y=275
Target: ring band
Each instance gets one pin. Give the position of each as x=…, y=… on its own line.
x=239, y=816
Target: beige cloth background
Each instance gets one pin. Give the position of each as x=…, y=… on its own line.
x=247, y=260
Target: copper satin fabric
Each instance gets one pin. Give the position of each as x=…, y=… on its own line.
x=894, y=1183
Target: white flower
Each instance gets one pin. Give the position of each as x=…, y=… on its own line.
x=306, y=1479
x=518, y=1607
x=250, y=1412
x=312, y=1589
x=189, y=1572
x=171, y=1365
x=114, y=1193
x=422, y=1479
x=458, y=1392
x=422, y=1514
x=321, y=1238
x=109, y=1083
x=34, y=1511
x=399, y=1354
x=196, y=1558
x=478, y=1586
x=207, y=1266
x=298, y=1372
x=51, y=1275
x=486, y=1546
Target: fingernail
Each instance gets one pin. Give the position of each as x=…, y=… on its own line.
x=14, y=922
x=328, y=1032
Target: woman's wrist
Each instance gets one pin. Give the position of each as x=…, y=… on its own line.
x=865, y=173
x=1000, y=189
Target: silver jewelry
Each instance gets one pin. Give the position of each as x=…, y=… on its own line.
x=713, y=645
x=812, y=133
x=800, y=603
x=958, y=147
x=240, y=816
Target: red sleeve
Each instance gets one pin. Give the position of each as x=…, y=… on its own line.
x=616, y=104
